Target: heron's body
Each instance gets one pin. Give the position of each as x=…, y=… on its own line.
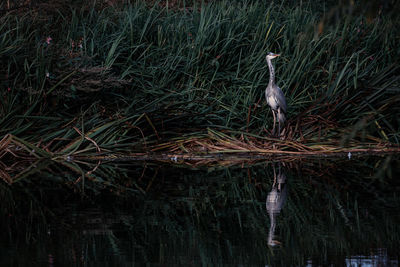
x=274, y=95
x=276, y=100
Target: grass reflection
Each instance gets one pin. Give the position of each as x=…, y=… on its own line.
x=80, y=213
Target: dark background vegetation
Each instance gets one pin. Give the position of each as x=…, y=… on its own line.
x=126, y=73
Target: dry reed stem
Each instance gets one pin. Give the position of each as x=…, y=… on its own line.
x=87, y=138
x=209, y=148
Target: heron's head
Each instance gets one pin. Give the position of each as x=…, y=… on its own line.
x=274, y=243
x=271, y=55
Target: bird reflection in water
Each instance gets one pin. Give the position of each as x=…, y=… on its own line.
x=275, y=200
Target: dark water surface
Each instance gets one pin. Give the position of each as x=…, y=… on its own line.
x=294, y=213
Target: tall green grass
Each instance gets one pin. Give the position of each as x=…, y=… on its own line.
x=162, y=72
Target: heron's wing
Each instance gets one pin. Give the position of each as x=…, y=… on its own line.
x=280, y=97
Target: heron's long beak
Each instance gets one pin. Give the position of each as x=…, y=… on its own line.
x=277, y=55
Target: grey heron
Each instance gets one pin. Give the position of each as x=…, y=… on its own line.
x=274, y=203
x=274, y=95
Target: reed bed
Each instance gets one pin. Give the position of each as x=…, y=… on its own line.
x=139, y=78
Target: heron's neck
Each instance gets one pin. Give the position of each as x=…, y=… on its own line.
x=271, y=72
x=272, y=226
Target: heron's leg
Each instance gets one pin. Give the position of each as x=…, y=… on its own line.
x=279, y=175
x=279, y=122
x=273, y=167
x=273, y=127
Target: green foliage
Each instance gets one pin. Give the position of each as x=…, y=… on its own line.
x=195, y=68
